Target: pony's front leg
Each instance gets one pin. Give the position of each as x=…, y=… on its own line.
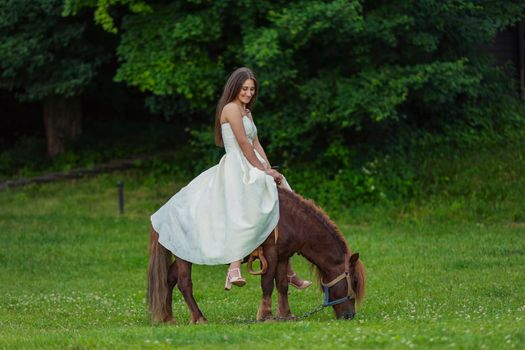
x=267, y=282
x=186, y=287
x=281, y=281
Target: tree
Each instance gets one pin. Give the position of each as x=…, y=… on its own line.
x=49, y=58
x=328, y=69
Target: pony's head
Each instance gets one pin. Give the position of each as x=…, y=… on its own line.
x=326, y=248
x=347, y=309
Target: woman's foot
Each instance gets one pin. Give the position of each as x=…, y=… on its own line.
x=234, y=277
x=298, y=283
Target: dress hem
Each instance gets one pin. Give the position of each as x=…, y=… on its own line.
x=173, y=249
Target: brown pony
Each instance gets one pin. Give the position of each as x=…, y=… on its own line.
x=304, y=229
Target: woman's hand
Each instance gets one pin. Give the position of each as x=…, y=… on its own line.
x=278, y=178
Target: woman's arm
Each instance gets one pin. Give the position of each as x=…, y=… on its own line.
x=257, y=145
x=278, y=177
x=233, y=116
x=260, y=150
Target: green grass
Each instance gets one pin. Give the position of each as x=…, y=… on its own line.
x=72, y=274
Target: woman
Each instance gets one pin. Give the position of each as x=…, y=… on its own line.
x=226, y=212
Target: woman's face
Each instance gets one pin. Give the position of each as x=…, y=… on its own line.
x=247, y=91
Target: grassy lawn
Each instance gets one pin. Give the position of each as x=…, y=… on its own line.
x=72, y=274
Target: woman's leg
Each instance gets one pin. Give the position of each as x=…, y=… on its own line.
x=234, y=276
x=235, y=265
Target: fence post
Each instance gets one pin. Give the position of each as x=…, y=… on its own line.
x=121, y=196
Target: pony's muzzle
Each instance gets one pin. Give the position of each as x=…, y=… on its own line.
x=348, y=315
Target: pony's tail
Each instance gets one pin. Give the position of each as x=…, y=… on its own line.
x=159, y=261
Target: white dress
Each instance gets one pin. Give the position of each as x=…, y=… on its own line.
x=223, y=214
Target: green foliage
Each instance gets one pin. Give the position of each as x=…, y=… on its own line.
x=151, y=64
x=102, y=141
x=335, y=75
x=329, y=66
x=102, y=14
x=416, y=165
x=23, y=158
x=203, y=147
x=44, y=54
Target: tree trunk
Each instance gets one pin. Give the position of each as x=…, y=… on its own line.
x=62, y=121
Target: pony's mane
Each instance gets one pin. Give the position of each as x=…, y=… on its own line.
x=313, y=209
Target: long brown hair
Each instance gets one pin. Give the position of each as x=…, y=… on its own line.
x=231, y=90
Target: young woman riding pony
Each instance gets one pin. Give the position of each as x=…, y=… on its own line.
x=227, y=211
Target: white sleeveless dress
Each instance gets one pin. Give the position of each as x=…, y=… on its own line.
x=223, y=214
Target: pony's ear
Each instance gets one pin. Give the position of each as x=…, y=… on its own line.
x=354, y=258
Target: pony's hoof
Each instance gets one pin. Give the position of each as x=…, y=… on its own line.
x=268, y=318
x=200, y=320
x=288, y=318
x=170, y=320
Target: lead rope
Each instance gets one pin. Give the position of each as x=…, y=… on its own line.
x=298, y=318
x=311, y=312
x=295, y=318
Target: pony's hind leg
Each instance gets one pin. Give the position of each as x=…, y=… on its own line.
x=172, y=281
x=186, y=288
x=281, y=280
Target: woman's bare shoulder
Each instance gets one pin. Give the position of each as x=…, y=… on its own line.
x=230, y=112
x=231, y=107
